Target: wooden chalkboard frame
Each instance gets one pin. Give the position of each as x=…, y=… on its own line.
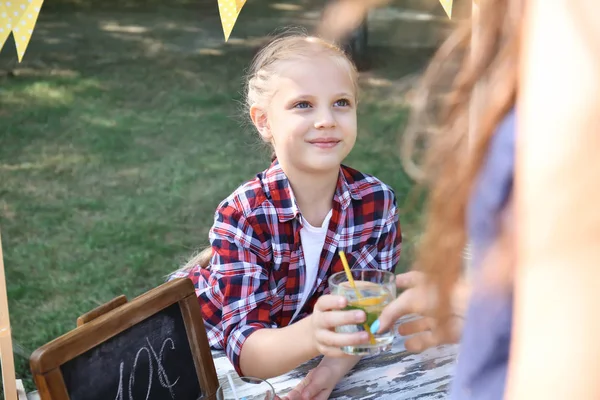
x=45, y=362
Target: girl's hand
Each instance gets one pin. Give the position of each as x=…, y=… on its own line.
x=417, y=298
x=326, y=316
x=317, y=385
x=320, y=382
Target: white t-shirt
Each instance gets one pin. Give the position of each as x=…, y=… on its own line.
x=313, y=240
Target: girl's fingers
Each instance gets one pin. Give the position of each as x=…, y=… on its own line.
x=416, y=326
x=296, y=393
x=330, y=302
x=331, y=319
x=332, y=342
x=324, y=395
x=409, y=302
x=420, y=342
x=409, y=279
x=333, y=339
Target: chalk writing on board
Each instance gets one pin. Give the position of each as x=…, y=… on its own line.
x=163, y=379
x=104, y=371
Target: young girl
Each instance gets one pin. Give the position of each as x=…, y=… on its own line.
x=275, y=239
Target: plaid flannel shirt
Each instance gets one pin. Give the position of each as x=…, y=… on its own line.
x=257, y=272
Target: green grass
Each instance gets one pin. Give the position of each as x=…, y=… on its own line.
x=117, y=144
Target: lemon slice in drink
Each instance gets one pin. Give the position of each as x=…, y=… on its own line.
x=368, y=301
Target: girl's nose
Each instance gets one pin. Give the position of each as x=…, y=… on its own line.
x=325, y=120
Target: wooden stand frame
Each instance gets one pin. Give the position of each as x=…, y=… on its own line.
x=109, y=320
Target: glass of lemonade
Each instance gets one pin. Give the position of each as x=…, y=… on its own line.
x=374, y=290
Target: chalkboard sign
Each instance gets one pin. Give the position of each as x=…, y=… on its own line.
x=138, y=360
x=153, y=348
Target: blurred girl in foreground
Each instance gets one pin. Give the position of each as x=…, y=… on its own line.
x=527, y=202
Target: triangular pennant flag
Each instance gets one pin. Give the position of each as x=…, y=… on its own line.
x=18, y=17
x=5, y=24
x=228, y=9
x=447, y=4
x=24, y=29
x=239, y=4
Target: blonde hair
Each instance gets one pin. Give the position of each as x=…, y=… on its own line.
x=293, y=45
x=285, y=48
x=200, y=259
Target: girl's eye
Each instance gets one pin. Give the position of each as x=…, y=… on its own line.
x=342, y=103
x=302, y=104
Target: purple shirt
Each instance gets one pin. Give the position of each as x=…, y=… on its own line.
x=484, y=349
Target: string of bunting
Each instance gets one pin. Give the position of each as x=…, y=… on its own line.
x=18, y=17
x=229, y=10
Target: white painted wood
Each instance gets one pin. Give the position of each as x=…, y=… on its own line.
x=393, y=375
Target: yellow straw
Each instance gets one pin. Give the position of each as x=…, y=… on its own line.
x=351, y=280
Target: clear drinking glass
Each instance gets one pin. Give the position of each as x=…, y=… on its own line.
x=375, y=289
x=245, y=388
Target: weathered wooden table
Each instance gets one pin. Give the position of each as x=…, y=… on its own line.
x=394, y=375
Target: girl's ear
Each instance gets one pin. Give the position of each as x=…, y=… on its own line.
x=259, y=119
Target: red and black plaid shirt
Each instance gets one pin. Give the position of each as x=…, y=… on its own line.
x=257, y=273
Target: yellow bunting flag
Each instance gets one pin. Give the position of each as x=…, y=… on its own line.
x=447, y=4
x=229, y=10
x=18, y=17
x=239, y=4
